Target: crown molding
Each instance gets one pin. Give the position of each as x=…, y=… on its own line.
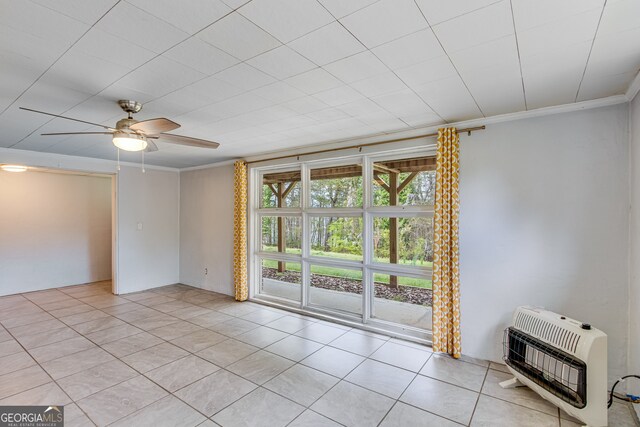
x=210, y=165
x=633, y=89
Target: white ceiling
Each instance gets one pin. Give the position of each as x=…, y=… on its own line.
x=265, y=75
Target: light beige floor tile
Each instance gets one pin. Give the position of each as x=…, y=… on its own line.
x=261, y=316
x=448, y=401
x=154, y=322
x=139, y=313
x=19, y=311
x=262, y=336
x=312, y=419
x=234, y=327
x=294, y=348
x=74, y=417
x=154, y=357
x=498, y=413
x=175, y=330
x=404, y=415
x=84, y=316
x=119, y=309
x=60, y=349
x=333, y=361
x=215, y=392
x=173, y=305
x=86, y=328
x=227, y=352
x=4, y=335
x=210, y=319
x=26, y=320
x=62, y=304
x=131, y=344
x=301, y=384
x=155, y=300
x=320, y=333
x=523, y=396
x=48, y=337
x=36, y=328
x=381, y=378
x=260, y=407
x=198, y=340
x=70, y=311
x=46, y=394
x=260, y=366
x=289, y=324
x=169, y=411
x=77, y=362
x=499, y=367
x=121, y=400
x=96, y=379
x=182, y=372
x=363, y=345
x=21, y=380
x=409, y=358
x=102, y=301
x=190, y=312
x=15, y=362
x=9, y=347
x=351, y=405
x=106, y=336
x=238, y=309
x=456, y=372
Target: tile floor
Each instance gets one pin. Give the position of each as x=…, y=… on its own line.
x=180, y=356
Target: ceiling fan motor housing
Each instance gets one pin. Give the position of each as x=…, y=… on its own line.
x=130, y=107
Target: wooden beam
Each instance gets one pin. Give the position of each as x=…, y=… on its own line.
x=380, y=181
x=273, y=189
x=393, y=227
x=380, y=167
x=407, y=181
x=282, y=242
x=286, y=192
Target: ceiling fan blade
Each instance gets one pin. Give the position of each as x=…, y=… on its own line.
x=186, y=140
x=155, y=126
x=67, y=118
x=77, y=133
x=151, y=146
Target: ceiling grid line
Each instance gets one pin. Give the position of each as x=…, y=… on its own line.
x=515, y=33
x=584, y=72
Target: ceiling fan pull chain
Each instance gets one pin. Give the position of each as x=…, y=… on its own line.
x=118, y=159
x=143, y=171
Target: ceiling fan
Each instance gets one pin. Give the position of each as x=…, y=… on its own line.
x=132, y=135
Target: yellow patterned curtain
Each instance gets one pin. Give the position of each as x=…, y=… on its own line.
x=240, y=231
x=446, y=274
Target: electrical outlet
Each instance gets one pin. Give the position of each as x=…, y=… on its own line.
x=206, y=271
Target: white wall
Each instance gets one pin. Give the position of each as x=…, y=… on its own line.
x=544, y=221
x=634, y=276
x=149, y=257
x=55, y=230
x=206, y=228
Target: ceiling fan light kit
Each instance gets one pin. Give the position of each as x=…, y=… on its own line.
x=132, y=135
x=13, y=168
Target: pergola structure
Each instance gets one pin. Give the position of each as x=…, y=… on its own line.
x=281, y=184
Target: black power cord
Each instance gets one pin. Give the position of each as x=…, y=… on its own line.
x=629, y=397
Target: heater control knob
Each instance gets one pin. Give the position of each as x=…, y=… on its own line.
x=586, y=326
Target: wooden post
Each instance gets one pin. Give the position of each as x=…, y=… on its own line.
x=282, y=242
x=393, y=226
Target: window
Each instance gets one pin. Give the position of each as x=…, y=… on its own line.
x=351, y=238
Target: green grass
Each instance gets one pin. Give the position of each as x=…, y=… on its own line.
x=350, y=274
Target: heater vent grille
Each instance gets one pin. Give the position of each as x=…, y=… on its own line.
x=548, y=332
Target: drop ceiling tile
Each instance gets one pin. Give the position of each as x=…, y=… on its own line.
x=403, y=103
x=618, y=16
x=598, y=86
x=528, y=14
x=475, y=28
x=287, y=19
x=118, y=91
x=548, y=84
x=281, y=62
x=214, y=89
x=113, y=49
x=190, y=16
x=245, y=77
x=450, y=99
x=160, y=76
x=86, y=73
x=201, y=56
x=234, y=4
x=362, y=108
x=305, y=105
x=328, y=115
x=279, y=92
x=238, y=105
x=338, y=96
x=499, y=53
x=327, y=44
x=239, y=37
x=437, y=11
x=289, y=123
x=43, y=23
x=141, y=28
x=96, y=109
x=87, y=11
x=427, y=71
x=384, y=21
x=379, y=85
x=341, y=8
x=314, y=81
x=557, y=34
x=607, y=58
x=409, y=50
x=356, y=67
x=497, y=90
x=422, y=120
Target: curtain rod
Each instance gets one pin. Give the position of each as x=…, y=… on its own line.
x=360, y=146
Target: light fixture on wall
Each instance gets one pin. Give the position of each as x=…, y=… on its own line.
x=13, y=168
x=129, y=141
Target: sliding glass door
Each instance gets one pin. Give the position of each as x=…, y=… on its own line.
x=350, y=238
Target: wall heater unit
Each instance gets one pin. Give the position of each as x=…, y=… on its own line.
x=562, y=359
